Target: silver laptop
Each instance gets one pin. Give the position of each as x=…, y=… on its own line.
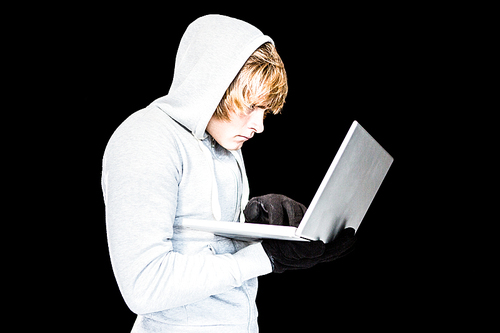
x=341, y=201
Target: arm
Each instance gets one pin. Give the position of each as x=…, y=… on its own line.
x=140, y=180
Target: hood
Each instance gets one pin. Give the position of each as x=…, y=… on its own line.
x=211, y=53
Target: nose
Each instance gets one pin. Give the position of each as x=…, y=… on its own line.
x=256, y=122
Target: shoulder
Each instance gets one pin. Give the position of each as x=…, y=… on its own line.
x=146, y=136
x=149, y=126
x=150, y=123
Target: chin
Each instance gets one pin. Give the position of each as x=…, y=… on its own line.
x=233, y=145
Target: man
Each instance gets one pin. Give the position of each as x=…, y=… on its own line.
x=180, y=158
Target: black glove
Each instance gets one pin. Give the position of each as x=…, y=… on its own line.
x=292, y=255
x=274, y=209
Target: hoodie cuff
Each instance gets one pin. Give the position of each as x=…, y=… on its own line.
x=253, y=261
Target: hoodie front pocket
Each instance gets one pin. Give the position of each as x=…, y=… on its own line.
x=229, y=308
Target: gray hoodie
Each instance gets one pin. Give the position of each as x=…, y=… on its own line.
x=160, y=166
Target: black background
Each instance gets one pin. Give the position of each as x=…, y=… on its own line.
x=383, y=67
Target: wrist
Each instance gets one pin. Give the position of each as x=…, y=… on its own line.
x=253, y=261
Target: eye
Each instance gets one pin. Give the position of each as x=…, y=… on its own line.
x=250, y=109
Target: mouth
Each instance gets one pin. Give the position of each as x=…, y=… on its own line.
x=246, y=138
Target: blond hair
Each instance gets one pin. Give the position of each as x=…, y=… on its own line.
x=261, y=82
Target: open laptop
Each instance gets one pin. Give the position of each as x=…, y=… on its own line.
x=341, y=201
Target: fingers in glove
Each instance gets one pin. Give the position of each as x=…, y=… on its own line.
x=290, y=255
x=283, y=210
x=282, y=264
x=341, y=246
x=256, y=212
x=291, y=250
x=272, y=204
x=304, y=250
x=294, y=212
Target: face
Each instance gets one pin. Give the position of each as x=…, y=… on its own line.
x=240, y=128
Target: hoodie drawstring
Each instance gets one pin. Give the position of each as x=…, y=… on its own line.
x=215, y=193
x=246, y=188
x=216, y=210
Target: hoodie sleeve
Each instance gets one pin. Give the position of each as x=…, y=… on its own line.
x=140, y=180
